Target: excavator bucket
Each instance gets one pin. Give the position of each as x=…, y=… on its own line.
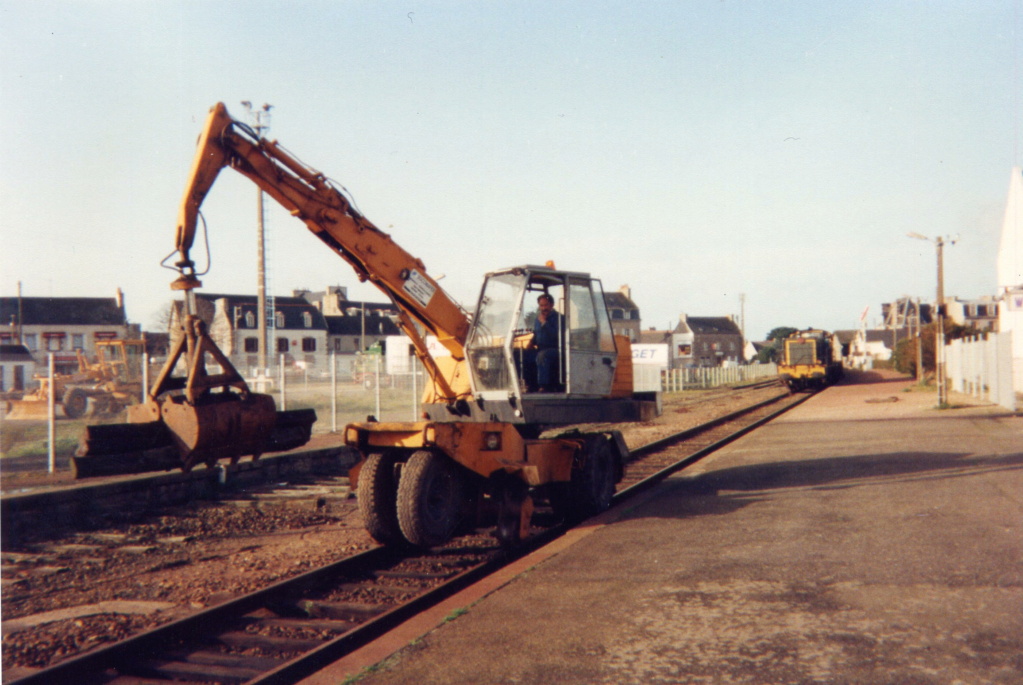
x=27, y=409
x=201, y=418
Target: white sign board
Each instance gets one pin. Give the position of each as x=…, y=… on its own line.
x=652, y=355
x=419, y=288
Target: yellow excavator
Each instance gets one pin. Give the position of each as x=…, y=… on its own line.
x=106, y=386
x=489, y=440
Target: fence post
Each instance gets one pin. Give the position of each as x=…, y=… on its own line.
x=51, y=412
x=333, y=391
x=376, y=374
x=415, y=394
x=283, y=394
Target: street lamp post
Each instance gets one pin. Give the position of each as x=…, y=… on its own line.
x=939, y=336
x=261, y=122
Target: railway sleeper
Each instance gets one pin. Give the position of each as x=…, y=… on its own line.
x=268, y=644
x=195, y=672
x=210, y=658
x=342, y=611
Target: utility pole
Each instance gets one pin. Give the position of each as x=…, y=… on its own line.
x=742, y=325
x=939, y=336
x=261, y=123
x=919, y=346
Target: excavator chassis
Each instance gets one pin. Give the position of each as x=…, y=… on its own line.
x=418, y=482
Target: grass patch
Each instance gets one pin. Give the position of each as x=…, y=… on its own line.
x=29, y=439
x=455, y=614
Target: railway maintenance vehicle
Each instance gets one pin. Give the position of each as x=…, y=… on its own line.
x=810, y=360
x=488, y=439
x=106, y=386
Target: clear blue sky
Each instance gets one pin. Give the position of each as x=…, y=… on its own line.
x=692, y=150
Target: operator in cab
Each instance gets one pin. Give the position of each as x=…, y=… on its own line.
x=547, y=343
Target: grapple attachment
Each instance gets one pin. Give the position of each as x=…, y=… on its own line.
x=198, y=418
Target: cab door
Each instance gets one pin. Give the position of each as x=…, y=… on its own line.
x=591, y=347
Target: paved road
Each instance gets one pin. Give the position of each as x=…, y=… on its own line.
x=863, y=538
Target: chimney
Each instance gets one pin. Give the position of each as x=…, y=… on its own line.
x=625, y=290
x=120, y=299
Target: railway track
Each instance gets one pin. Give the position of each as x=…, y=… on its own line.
x=284, y=632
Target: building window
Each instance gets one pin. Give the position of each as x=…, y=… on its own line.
x=31, y=342
x=307, y=320
x=309, y=344
x=279, y=320
x=54, y=343
x=250, y=320
x=282, y=345
x=337, y=344
x=78, y=341
x=252, y=344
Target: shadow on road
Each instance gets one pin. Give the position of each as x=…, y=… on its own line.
x=851, y=471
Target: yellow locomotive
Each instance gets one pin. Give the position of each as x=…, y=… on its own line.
x=809, y=360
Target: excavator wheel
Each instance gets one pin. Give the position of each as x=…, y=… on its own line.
x=377, y=493
x=75, y=402
x=593, y=485
x=430, y=499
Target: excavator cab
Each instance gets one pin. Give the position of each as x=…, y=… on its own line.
x=501, y=349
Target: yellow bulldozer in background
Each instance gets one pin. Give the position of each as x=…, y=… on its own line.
x=103, y=387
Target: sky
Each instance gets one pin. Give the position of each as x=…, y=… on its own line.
x=758, y=159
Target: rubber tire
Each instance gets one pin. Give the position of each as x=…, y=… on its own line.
x=377, y=494
x=593, y=485
x=75, y=403
x=431, y=498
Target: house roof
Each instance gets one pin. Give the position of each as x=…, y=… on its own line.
x=846, y=337
x=886, y=336
x=654, y=337
x=238, y=306
x=708, y=325
x=62, y=311
x=15, y=353
x=352, y=325
x=619, y=301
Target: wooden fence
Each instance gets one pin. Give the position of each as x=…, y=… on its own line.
x=677, y=380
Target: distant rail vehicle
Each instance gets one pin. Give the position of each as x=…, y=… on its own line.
x=809, y=360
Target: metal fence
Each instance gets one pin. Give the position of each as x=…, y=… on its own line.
x=341, y=393
x=677, y=380
x=982, y=368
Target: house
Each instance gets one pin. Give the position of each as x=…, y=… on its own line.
x=355, y=332
x=352, y=326
x=981, y=313
x=706, y=341
x=624, y=313
x=17, y=367
x=64, y=325
x=875, y=344
x=297, y=328
x=845, y=339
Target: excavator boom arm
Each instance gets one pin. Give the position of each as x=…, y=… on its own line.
x=309, y=196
